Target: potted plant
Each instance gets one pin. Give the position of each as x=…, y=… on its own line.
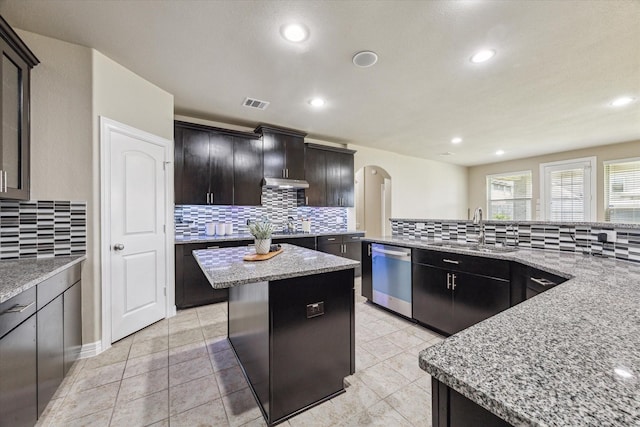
x=261, y=231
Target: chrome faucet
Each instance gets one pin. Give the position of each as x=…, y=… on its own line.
x=477, y=220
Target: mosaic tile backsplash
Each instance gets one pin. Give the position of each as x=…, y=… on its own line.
x=557, y=236
x=42, y=229
x=277, y=205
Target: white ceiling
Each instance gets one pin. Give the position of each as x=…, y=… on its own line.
x=558, y=65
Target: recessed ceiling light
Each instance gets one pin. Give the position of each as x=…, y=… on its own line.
x=499, y=152
x=364, y=59
x=456, y=140
x=294, y=32
x=317, y=102
x=622, y=101
x=483, y=55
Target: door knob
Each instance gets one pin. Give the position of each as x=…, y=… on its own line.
x=118, y=247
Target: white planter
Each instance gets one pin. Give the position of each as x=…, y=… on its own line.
x=263, y=246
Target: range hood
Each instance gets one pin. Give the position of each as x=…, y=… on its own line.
x=284, y=183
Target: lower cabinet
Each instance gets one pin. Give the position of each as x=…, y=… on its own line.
x=343, y=245
x=366, y=265
x=192, y=286
x=40, y=338
x=305, y=242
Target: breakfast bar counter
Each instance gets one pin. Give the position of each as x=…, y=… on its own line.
x=291, y=323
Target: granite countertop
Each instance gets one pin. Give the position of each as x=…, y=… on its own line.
x=203, y=238
x=17, y=276
x=606, y=225
x=569, y=356
x=225, y=267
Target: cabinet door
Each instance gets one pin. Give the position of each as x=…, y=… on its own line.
x=247, y=171
x=347, y=179
x=333, y=183
x=14, y=119
x=476, y=298
x=18, y=381
x=193, y=167
x=305, y=242
x=72, y=325
x=294, y=157
x=331, y=248
x=50, y=350
x=196, y=287
x=316, y=174
x=353, y=251
x=367, y=278
x=432, y=301
x=274, y=146
x=221, y=169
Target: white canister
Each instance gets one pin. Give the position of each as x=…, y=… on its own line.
x=228, y=227
x=210, y=228
x=220, y=229
x=306, y=226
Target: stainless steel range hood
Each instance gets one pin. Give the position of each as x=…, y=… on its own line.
x=284, y=183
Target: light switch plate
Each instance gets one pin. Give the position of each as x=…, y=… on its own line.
x=419, y=225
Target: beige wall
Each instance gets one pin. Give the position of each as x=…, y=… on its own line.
x=420, y=188
x=477, y=174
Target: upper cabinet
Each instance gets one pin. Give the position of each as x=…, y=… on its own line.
x=17, y=61
x=216, y=166
x=283, y=152
x=329, y=172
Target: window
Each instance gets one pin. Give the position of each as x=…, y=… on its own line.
x=567, y=190
x=509, y=196
x=622, y=191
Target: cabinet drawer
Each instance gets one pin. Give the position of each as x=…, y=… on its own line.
x=539, y=281
x=328, y=240
x=482, y=266
x=352, y=237
x=54, y=286
x=17, y=310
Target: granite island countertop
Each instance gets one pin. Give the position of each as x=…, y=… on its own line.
x=203, y=238
x=16, y=276
x=569, y=356
x=225, y=267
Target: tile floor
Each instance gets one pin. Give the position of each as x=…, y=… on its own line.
x=181, y=372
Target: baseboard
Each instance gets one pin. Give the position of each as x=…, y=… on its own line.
x=172, y=311
x=91, y=349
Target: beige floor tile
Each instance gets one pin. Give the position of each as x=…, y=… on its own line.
x=211, y=414
x=231, y=380
x=423, y=333
x=412, y=403
x=87, y=402
x=98, y=419
x=424, y=383
x=90, y=378
x=158, y=329
x=382, y=348
x=381, y=414
x=241, y=407
x=189, y=370
x=214, y=330
x=383, y=380
x=403, y=339
x=415, y=350
x=193, y=393
x=46, y=419
x=187, y=336
x=223, y=360
x=150, y=362
x=142, y=385
x=318, y=416
x=260, y=422
x=217, y=344
x=188, y=352
x=163, y=423
x=407, y=365
x=117, y=353
x=152, y=345
x=143, y=411
x=364, y=359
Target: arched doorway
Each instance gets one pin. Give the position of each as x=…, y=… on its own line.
x=373, y=201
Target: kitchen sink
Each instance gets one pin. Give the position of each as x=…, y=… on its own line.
x=476, y=247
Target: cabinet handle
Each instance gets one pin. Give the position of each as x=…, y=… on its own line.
x=287, y=172
x=369, y=247
x=306, y=200
x=5, y=182
x=19, y=308
x=448, y=280
x=453, y=282
x=213, y=247
x=331, y=239
x=1, y=182
x=543, y=282
x=450, y=261
x=207, y=198
x=283, y=174
x=212, y=197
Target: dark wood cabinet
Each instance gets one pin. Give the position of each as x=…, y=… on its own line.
x=283, y=151
x=72, y=322
x=15, y=93
x=366, y=265
x=329, y=172
x=343, y=245
x=216, y=166
x=50, y=350
x=452, y=296
x=305, y=242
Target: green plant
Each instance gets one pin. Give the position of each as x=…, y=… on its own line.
x=261, y=230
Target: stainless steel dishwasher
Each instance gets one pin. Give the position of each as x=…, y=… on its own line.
x=391, y=271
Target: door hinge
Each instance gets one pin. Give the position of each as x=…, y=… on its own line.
x=164, y=165
x=165, y=292
x=164, y=228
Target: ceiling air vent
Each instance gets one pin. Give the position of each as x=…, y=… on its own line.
x=255, y=103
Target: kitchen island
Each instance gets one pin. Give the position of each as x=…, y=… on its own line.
x=291, y=323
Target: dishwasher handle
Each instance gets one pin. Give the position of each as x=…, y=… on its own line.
x=392, y=253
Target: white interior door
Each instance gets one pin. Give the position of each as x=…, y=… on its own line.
x=137, y=244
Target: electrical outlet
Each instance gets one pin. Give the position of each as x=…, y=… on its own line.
x=419, y=225
x=611, y=235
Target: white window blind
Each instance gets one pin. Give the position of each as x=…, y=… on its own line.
x=567, y=187
x=622, y=190
x=509, y=196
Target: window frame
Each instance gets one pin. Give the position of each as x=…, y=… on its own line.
x=605, y=182
x=589, y=164
x=488, y=193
